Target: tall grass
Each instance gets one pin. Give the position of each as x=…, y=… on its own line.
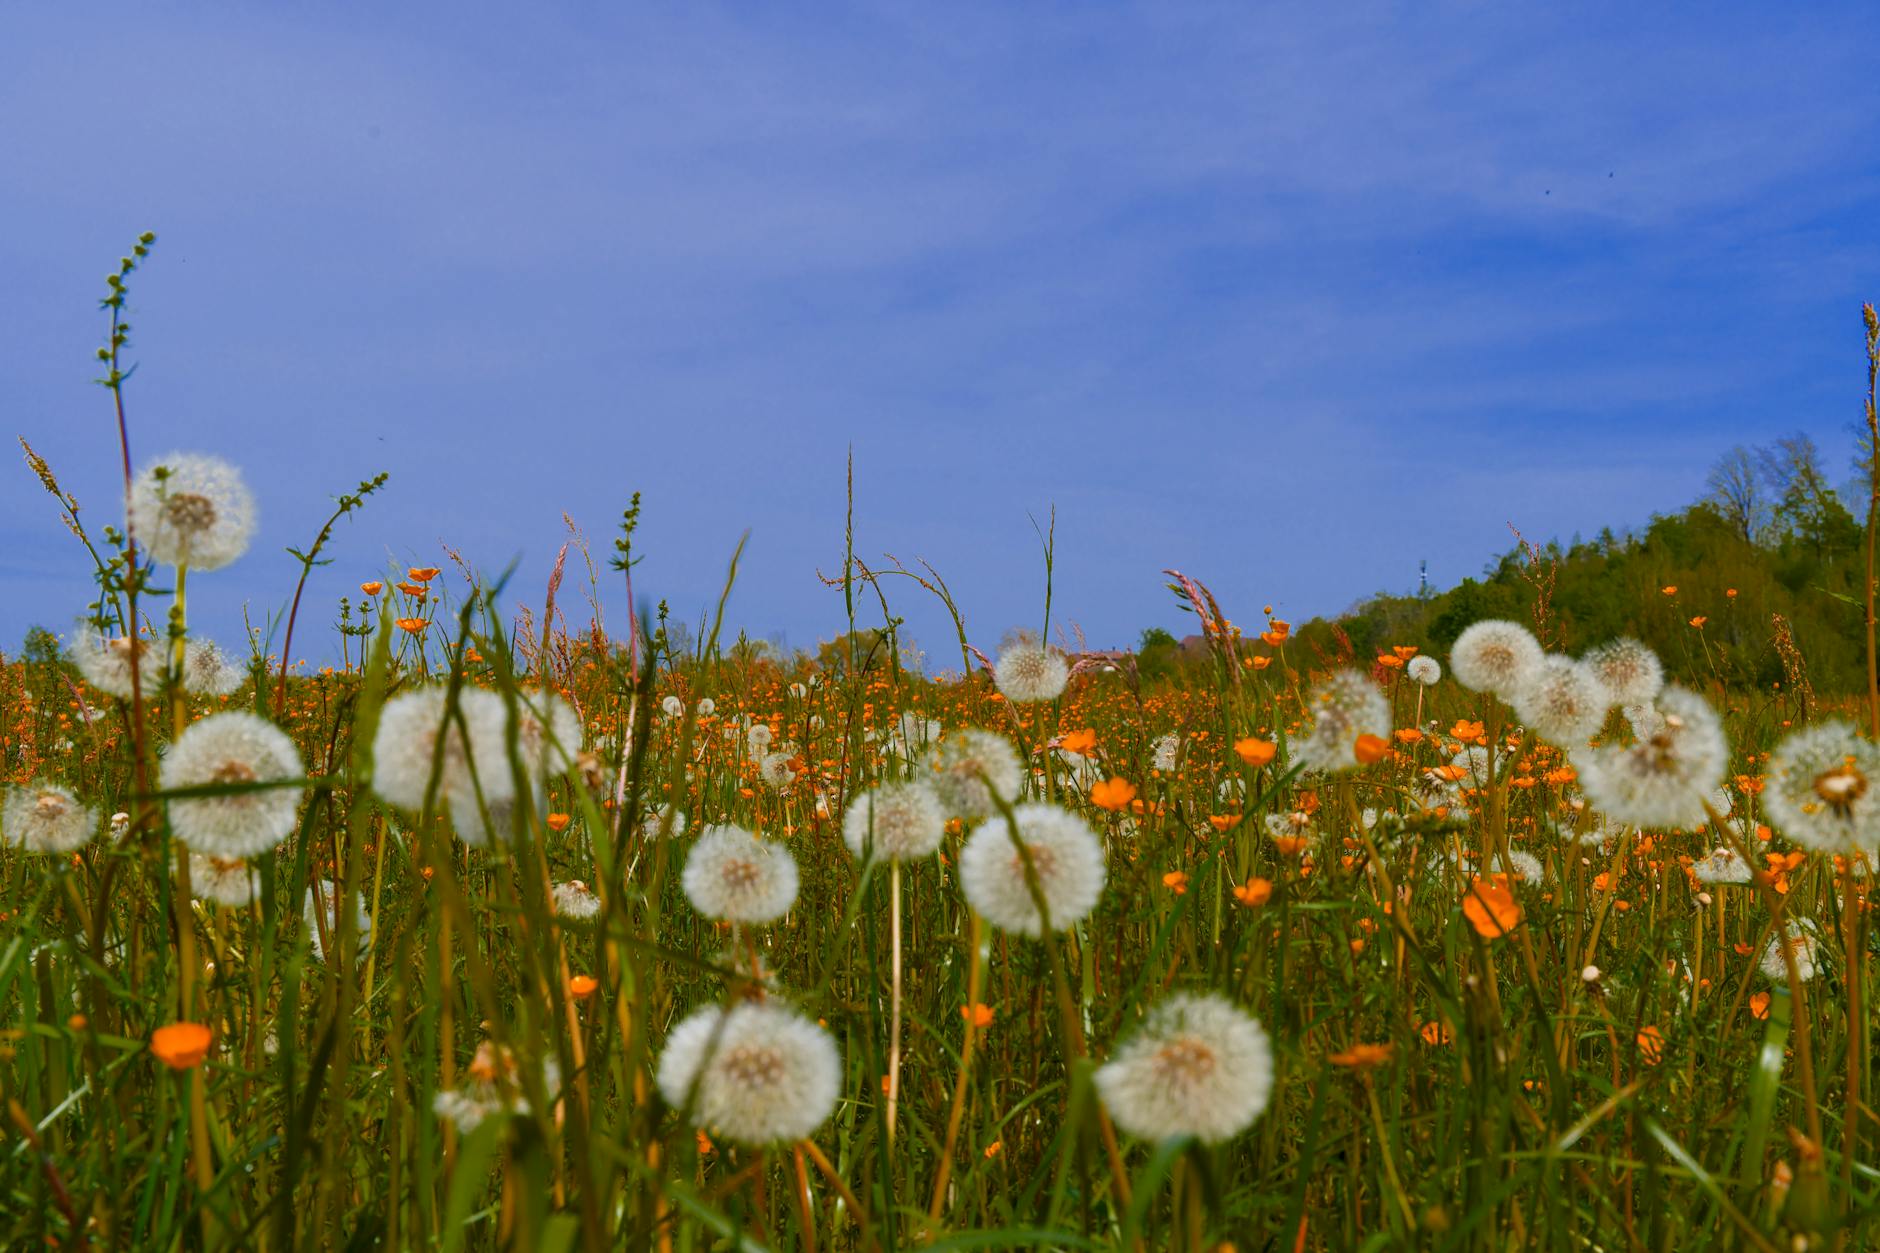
x=1614, y=1071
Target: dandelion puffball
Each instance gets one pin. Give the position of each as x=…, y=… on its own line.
x=733, y=876
x=107, y=662
x=897, y=821
x=1495, y=657
x=225, y=880
x=1029, y=672
x=1665, y=779
x=964, y=763
x=45, y=818
x=1424, y=669
x=1347, y=706
x=1820, y=790
x=207, y=670
x=1630, y=672
x=1563, y=701
x=187, y=509
x=1064, y=852
x=758, y=1073
x=1198, y=1066
x=232, y=749
x=406, y=743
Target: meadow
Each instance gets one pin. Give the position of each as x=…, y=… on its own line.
x=501, y=931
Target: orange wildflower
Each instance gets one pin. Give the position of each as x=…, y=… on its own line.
x=1651, y=1045
x=1254, y=892
x=1362, y=1056
x=582, y=986
x=1468, y=732
x=181, y=1045
x=1079, y=742
x=1671, y=590
x=1407, y=735
x=1289, y=845
x=1112, y=794
x=414, y=625
x=1435, y=1032
x=1259, y=663
x=557, y=822
x=1699, y=621
x=373, y=588
x=422, y=574
x=1759, y=1005
x=1490, y=907
x=1176, y=881
x=1370, y=749
x=980, y=1016
x=1221, y=822
x=1255, y=751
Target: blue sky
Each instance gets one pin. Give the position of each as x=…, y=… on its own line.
x=1288, y=297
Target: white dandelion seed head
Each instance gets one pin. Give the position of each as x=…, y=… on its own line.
x=548, y=735
x=492, y=1086
x=707, y=707
x=1029, y=672
x=1495, y=657
x=1424, y=669
x=227, y=881
x=776, y=771
x=1803, y=942
x=733, y=876
x=898, y=821
x=106, y=662
x=917, y=729
x=1663, y=780
x=1166, y=750
x=410, y=726
x=1197, y=1066
x=1523, y=867
x=1563, y=701
x=1345, y=707
x=329, y=895
x=207, y=670
x=672, y=706
x=46, y=818
x=959, y=761
x=575, y=899
x=759, y=736
x=199, y=513
x=232, y=748
x=1065, y=853
x=654, y=819
x=1645, y=720
x=1630, y=671
x=1823, y=789
x=756, y=1074
x=798, y=691
x=1721, y=865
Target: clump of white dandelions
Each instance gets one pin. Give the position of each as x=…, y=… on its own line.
x=246, y=753
x=1496, y=657
x=964, y=763
x=894, y=822
x=1820, y=791
x=1198, y=1066
x=46, y=818
x=733, y=876
x=405, y=748
x=1665, y=778
x=1065, y=854
x=1029, y=671
x=189, y=509
x=758, y=1073
x=1348, y=706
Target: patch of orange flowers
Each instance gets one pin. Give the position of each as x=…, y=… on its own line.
x=1490, y=907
